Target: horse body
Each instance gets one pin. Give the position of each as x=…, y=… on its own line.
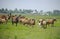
x=43, y=23
x=14, y=20
x=3, y=19
x=51, y=21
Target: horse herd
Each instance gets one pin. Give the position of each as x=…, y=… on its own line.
x=24, y=20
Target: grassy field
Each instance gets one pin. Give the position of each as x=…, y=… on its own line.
x=9, y=31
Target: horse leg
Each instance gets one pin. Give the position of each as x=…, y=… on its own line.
x=16, y=23
x=12, y=22
x=42, y=26
x=0, y=22
x=24, y=23
x=6, y=21
x=46, y=25
x=52, y=25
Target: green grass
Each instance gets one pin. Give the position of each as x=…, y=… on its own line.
x=9, y=31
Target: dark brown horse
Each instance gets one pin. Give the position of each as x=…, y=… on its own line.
x=15, y=20
x=51, y=21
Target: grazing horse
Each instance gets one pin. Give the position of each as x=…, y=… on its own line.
x=15, y=20
x=3, y=19
x=0, y=20
x=32, y=22
x=28, y=21
x=43, y=23
x=51, y=21
x=21, y=18
x=8, y=17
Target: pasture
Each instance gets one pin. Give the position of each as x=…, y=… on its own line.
x=9, y=31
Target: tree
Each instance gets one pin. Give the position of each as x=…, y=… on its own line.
x=16, y=10
x=27, y=11
x=20, y=10
x=49, y=13
x=56, y=12
x=2, y=10
x=36, y=11
x=6, y=11
x=10, y=11
x=41, y=12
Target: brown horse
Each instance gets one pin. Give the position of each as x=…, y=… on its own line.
x=21, y=18
x=3, y=19
x=28, y=21
x=51, y=21
x=15, y=20
x=32, y=22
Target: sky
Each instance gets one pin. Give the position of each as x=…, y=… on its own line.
x=45, y=5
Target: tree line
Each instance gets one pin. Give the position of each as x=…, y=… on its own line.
x=2, y=10
x=24, y=11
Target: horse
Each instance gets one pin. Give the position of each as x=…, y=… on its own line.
x=15, y=20
x=43, y=23
x=51, y=21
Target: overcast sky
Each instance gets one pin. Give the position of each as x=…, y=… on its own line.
x=46, y=5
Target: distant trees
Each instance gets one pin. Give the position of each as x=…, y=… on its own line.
x=36, y=11
x=4, y=10
x=20, y=11
x=10, y=11
x=29, y=11
x=49, y=13
x=15, y=11
x=56, y=12
x=0, y=10
x=41, y=12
